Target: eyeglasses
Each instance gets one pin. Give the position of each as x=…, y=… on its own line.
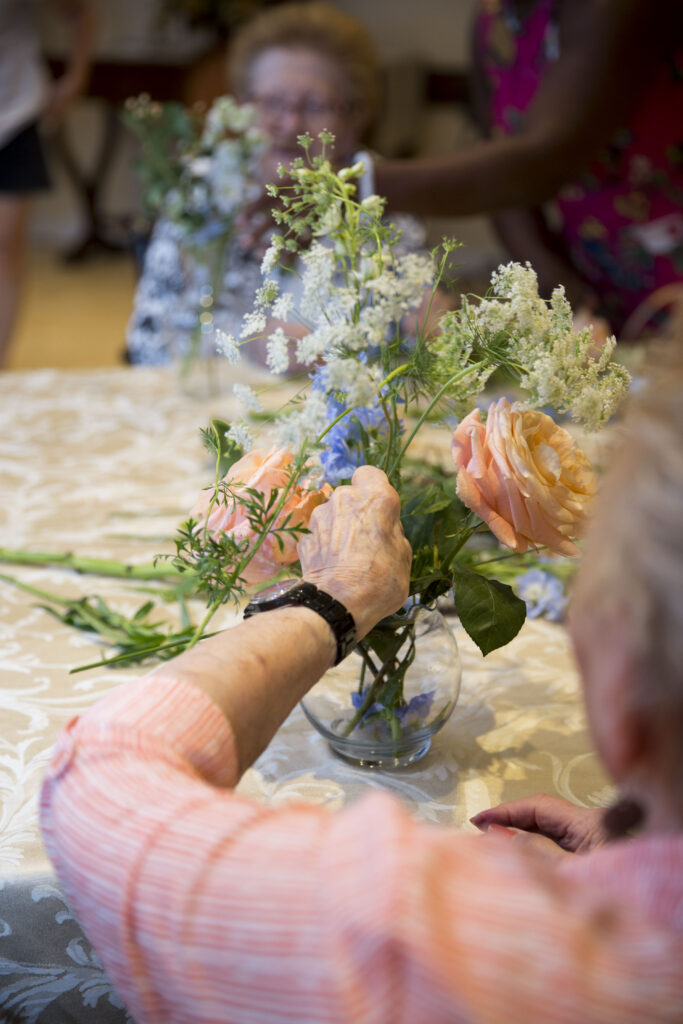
x=310, y=107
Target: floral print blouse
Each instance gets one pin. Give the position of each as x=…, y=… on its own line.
x=621, y=221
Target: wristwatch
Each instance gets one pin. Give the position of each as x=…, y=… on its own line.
x=307, y=595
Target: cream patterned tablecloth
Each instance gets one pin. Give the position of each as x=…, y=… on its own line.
x=106, y=463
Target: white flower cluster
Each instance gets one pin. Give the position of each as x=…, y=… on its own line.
x=240, y=433
x=358, y=381
x=247, y=398
x=272, y=255
x=226, y=116
x=305, y=423
x=219, y=174
x=351, y=303
x=556, y=364
x=227, y=346
x=348, y=308
x=277, y=352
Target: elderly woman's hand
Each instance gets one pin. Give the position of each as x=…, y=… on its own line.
x=357, y=551
x=571, y=828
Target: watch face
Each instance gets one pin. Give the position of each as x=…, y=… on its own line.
x=274, y=591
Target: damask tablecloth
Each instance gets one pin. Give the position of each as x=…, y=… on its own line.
x=105, y=463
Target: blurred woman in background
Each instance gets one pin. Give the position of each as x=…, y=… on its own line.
x=27, y=97
x=305, y=67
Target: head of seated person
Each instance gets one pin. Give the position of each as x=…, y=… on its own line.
x=306, y=67
x=627, y=612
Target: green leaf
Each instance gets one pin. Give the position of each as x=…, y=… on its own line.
x=490, y=611
x=216, y=441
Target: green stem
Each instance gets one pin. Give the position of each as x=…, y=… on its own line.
x=44, y=595
x=452, y=380
x=148, y=651
x=374, y=687
x=365, y=655
x=394, y=373
x=334, y=422
x=390, y=440
x=199, y=631
x=96, y=566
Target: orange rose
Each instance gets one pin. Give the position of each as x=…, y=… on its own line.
x=524, y=476
x=262, y=473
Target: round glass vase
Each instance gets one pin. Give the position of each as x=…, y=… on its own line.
x=360, y=729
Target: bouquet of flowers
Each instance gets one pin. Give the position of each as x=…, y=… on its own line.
x=375, y=387
x=372, y=390
x=198, y=170
x=197, y=167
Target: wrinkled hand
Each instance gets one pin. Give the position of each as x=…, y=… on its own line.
x=357, y=551
x=571, y=828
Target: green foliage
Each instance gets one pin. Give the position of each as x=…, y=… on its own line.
x=135, y=638
x=490, y=611
x=169, y=135
x=216, y=441
x=437, y=526
x=215, y=561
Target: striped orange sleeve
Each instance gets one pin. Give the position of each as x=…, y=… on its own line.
x=206, y=907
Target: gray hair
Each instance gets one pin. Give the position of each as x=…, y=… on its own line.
x=633, y=564
x=316, y=26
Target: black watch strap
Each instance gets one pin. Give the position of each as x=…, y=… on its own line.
x=307, y=595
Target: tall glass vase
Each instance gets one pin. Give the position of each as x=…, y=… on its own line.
x=389, y=722
x=201, y=368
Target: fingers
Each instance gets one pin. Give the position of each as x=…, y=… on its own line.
x=372, y=479
x=532, y=814
x=369, y=476
x=540, y=845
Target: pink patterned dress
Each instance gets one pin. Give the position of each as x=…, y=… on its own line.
x=621, y=222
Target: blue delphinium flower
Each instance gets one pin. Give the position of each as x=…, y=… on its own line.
x=543, y=595
x=343, y=452
x=358, y=698
x=415, y=711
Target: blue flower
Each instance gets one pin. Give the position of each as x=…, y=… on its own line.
x=416, y=710
x=543, y=594
x=358, y=698
x=343, y=451
x=420, y=706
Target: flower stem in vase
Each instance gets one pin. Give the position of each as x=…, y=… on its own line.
x=387, y=682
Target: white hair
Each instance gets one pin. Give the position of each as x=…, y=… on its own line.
x=633, y=564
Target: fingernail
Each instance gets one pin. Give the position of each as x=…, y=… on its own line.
x=501, y=829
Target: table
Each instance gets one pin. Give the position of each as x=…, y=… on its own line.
x=105, y=463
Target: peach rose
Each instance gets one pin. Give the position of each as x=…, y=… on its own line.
x=524, y=476
x=262, y=473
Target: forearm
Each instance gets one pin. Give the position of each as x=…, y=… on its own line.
x=81, y=15
x=608, y=54
x=257, y=672
x=489, y=176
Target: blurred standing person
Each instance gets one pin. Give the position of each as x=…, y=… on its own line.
x=27, y=96
x=582, y=103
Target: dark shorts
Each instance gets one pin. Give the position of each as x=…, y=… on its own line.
x=22, y=164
